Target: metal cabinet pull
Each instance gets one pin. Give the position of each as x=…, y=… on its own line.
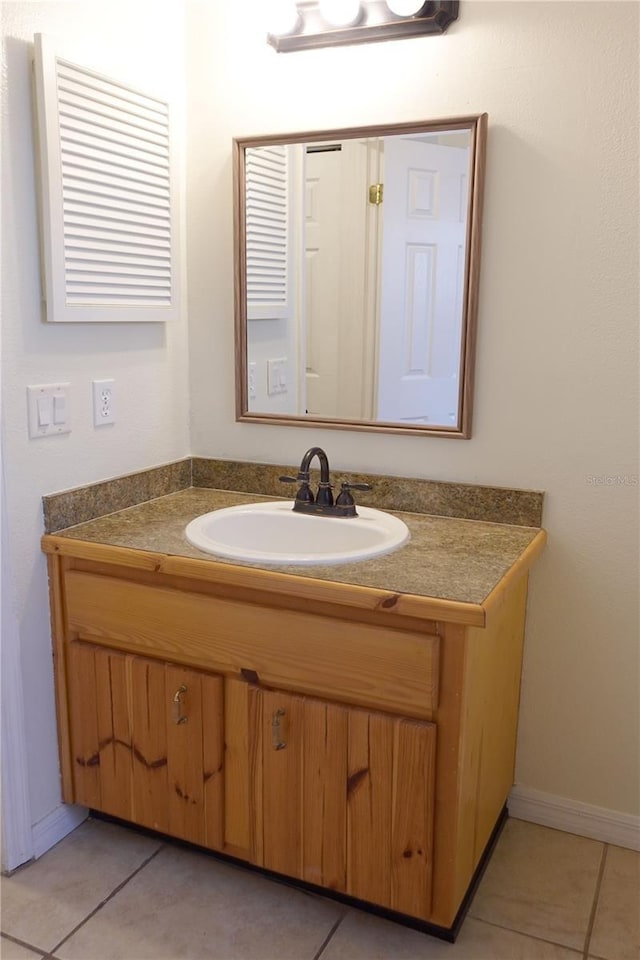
x=178, y=716
x=277, y=742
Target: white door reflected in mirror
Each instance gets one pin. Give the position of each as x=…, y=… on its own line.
x=421, y=278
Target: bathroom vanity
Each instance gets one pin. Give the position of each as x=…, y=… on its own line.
x=350, y=727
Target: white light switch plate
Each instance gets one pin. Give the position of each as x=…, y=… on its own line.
x=48, y=409
x=277, y=376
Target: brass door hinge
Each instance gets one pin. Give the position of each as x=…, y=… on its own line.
x=376, y=191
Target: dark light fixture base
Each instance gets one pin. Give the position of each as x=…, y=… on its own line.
x=376, y=23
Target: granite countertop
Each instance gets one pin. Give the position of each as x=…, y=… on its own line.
x=446, y=558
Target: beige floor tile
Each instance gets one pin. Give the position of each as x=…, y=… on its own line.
x=364, y=937
x=45, y=900
x=13, y=951
x=616, y=931
x=186, y=905
x=540, y=882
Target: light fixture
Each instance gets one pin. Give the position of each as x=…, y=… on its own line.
x=284, y=17
x=405, y=8
x=323, y=23
x=340, y=13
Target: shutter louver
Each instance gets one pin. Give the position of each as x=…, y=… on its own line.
x=267, y=232
x=108, y=220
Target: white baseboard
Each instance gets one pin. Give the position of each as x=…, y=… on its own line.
x=572, y=816
x=55, y=827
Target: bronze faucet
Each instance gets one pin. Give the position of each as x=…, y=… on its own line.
x=322, y=504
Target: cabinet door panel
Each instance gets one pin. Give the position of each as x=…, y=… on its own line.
x=213, y=759
x=324, y=798
x=113, y=708
x=299, y=787
x=344, y=798
x=369, y=791
x=194, y=718
x=239, y=831
x=138, y=754
x=194, y=704
x=279, y=780
x=391, y=789
x=85, y=739
x=149, y=743
x=412, y=817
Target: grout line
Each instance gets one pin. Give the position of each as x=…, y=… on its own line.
x=106, y=900
x=594, y=906
x=329, y=936
x=24, y=943
x=530, y=936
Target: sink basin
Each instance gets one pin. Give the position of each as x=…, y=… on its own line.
x=273, y=533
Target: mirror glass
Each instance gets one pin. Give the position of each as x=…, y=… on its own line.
x=357, y=260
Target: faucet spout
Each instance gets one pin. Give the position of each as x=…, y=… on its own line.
x=306, y=463
x=324, y=495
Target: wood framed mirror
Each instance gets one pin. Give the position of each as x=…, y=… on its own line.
x=357, y=261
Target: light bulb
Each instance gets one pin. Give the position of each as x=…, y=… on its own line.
x=283, y=17
x=405, y=8
x=340, y=13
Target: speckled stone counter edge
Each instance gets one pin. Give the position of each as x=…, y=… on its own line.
x=404, y=494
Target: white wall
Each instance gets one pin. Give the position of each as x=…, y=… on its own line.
x=556, y=374
x=141, y=43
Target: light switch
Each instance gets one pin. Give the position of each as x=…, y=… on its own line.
x=277, y=376
x=45, y=411
x=59, y=409
x=48, y=409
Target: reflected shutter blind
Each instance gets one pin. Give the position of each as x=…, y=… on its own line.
x=268, y=209
x=108, y=208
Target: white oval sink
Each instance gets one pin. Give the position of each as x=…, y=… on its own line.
x=273, y=533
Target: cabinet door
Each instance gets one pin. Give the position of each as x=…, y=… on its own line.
x=147, y=742
x=343, y=798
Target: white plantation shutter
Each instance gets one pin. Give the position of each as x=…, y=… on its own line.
x=108, y=196
x=268, y=232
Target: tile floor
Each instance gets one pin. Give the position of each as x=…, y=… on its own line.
x=109, y=893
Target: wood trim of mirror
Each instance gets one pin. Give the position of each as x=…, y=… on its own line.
x=477, y=126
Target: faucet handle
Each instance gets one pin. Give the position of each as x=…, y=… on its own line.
x=344, y=497
x=304, y=494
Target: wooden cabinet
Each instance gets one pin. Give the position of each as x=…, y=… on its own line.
x=343, y=798
x=146, y=742
x=342, y=736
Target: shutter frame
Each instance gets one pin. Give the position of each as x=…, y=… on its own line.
x=108, y=195
x=268, y=232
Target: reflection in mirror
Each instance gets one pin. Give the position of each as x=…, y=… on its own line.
x=357, y=261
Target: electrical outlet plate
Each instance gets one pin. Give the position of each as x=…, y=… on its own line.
x=103, y=411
